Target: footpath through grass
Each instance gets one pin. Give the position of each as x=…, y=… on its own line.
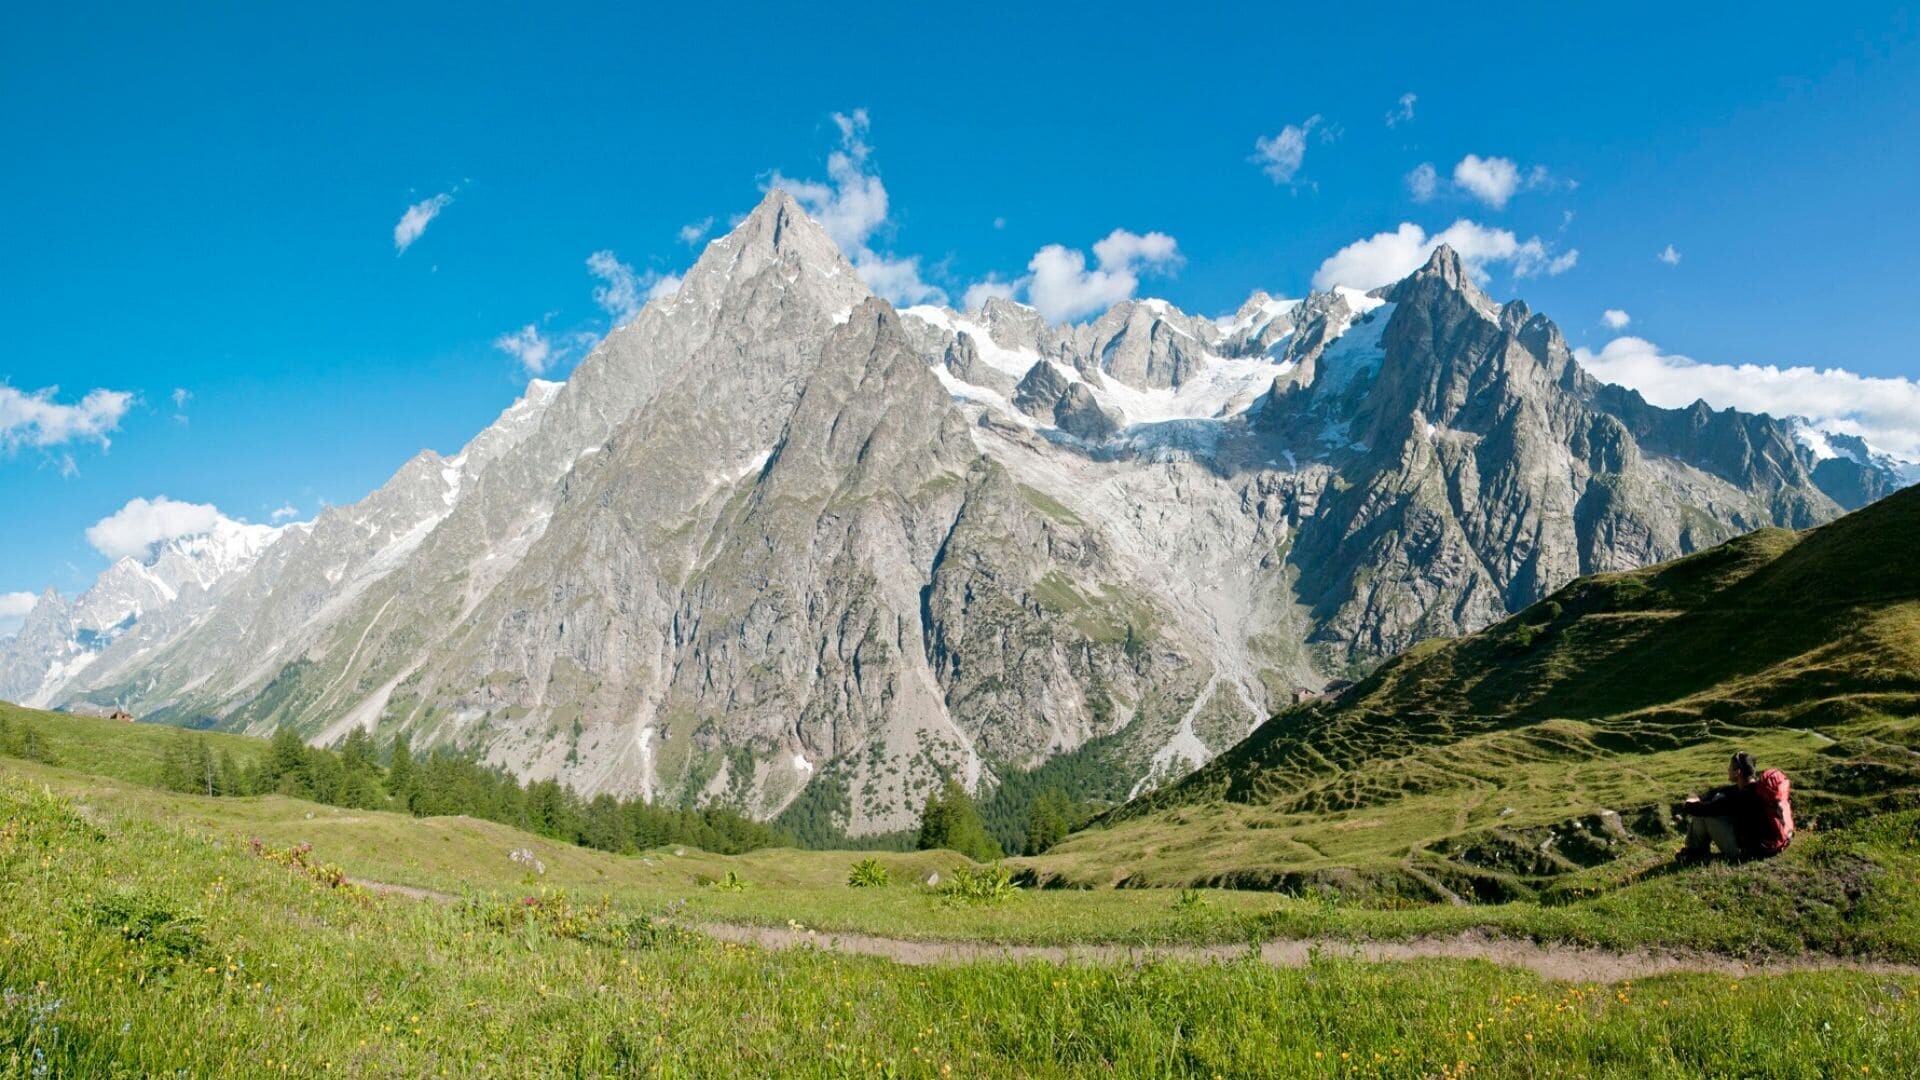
x=133, y=946
x=1847, y=893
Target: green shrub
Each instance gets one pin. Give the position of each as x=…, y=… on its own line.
x=1190, y=901
x=733, y=882
x=986, y=885
x=869, y=874
x=550, y=912
x=149, y=922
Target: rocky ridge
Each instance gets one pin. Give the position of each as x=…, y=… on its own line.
x=778, y=545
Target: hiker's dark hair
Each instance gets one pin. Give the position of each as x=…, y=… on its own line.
x=1743, y=764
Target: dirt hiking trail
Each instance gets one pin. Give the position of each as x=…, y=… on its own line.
x=1558, y=962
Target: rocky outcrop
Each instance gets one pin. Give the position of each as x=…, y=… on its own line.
x=774, y=541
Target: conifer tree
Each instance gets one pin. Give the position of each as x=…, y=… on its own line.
x=950, y=820
x=1048, y=821
x=400, y=772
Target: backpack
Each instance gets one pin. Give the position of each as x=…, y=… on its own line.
x=1776, y=827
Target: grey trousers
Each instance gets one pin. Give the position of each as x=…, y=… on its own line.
x=1715, y=831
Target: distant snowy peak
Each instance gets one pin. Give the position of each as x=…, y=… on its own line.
x=1139, y=366
x=1830, y=445
x=133, y=587
x=64, y=638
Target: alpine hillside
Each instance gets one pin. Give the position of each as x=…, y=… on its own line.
x=1531, y=756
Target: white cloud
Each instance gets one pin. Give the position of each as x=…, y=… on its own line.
x=1423, y=182
x=1280, y=156
x=132, y=530
x=37, y=420
x=852, y=206
x=1883, y=411
x=693, y=232
x=528, y=345
x=1491, y=180
x=1384, y=258
x=999, y=223
x=415, y=221
x=14, y=607
x=1061, y=288
x=286, y=512
x=622, y=290
x=180, y=398
x=1615, y=318
x=981, y=291
x=619, y=291
x=1402, y=111
x=1670, y=256
x=659, y=285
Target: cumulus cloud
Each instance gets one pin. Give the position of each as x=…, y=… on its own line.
x=14, y=607
x=619, y=290
x=416, y=219
x=1384, y=258
x=533, y=349
x=38, y=420
x=622, y=291
x=1615, y=318
x=695, y=231
x=286, y=512
x=1061, y=287
x=1402, y=110
x=851, y=205
x=1883, y=411
x=133, y=530
x=1423, y=182
x=1491, y=180
x=1495, y=180
x=1670, y=256
x=1280, y=156
x=659, y=285
x=981, y=291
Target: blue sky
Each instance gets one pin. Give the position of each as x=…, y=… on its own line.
x=207, y=201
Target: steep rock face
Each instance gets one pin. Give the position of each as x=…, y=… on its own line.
x=776, y=545
x=35, y=655
x=1488, y=471
x=962, y=358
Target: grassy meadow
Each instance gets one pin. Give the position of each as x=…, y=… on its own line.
x=137, y=945
x=1516, y=784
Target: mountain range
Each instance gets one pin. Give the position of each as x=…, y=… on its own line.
x=778, y=545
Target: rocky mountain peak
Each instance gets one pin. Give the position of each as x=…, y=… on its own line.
x=1445, y=264
x=1446, y=275
x=773, y=545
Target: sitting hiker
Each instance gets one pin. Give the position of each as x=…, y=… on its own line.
x=1750, y=817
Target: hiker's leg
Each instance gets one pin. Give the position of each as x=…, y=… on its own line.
x=1699, y=841
x=1724, y=838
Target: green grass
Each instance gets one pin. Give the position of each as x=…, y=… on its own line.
x=1541, y=758
x=1853, y=892
x=134, y=752
x=135, y=945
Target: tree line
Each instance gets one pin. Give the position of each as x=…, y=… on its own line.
x=443, y=782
